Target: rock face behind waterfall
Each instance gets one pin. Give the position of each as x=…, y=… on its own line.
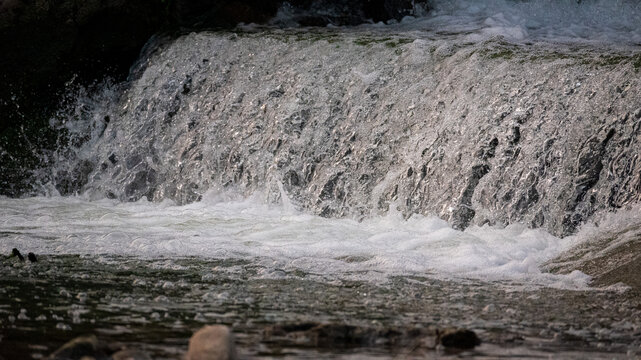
x=349, y=125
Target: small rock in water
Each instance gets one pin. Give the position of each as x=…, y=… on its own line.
x=489, y=308
x=82, y=297
x=459, y=339
x=130, y=355
x=32, y=257
x=23, y=315
x=212, y=343
x=17, y=253
x=79, y=348
x=200, y=317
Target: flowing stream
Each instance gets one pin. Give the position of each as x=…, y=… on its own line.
x=393, y=176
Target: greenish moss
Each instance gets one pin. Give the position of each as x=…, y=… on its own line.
x=502, y=54
x=636, y=62
x=397, y=42
x=366, y=41
x=611, y=60
x=363, y=41
x=550, y=56
x=315, y=37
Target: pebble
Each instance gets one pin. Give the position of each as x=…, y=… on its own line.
x=489, y=308
x=82, y=297
x=62, y=326
x=23, y=315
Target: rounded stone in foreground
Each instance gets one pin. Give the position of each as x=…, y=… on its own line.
x=212, y=343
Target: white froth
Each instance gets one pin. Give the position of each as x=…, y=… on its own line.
x=282, y=239
x=554, y=20
x=606, y=22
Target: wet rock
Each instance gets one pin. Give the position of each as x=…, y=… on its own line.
x=589, y=167
x=464, y=213
x=32, y=257
x=212, y=343
x=70, y=181
x=15, y=252
x=459, y=339
x=82, y=347
x=140, y=185
x=515, y=136
x=488, y=151
x=329, y=189
x=291, y=179
x=187, y=85
x=130, y=355
x=276, y=93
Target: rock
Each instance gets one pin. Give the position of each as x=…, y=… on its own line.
x=82, y=347
x=32, y=257
x=16, y=252
x=464, y=212
x=130, y=355
x=212, y=343
x=458, y=338
x=489, y=308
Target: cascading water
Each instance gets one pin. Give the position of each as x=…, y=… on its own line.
x=431, y=166
x=348, y=124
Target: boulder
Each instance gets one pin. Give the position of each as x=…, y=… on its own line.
x=212, y=342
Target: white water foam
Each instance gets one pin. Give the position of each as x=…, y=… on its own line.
x=223, y=228
x=555, y=20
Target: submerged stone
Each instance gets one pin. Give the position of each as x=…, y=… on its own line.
x=82, y=347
